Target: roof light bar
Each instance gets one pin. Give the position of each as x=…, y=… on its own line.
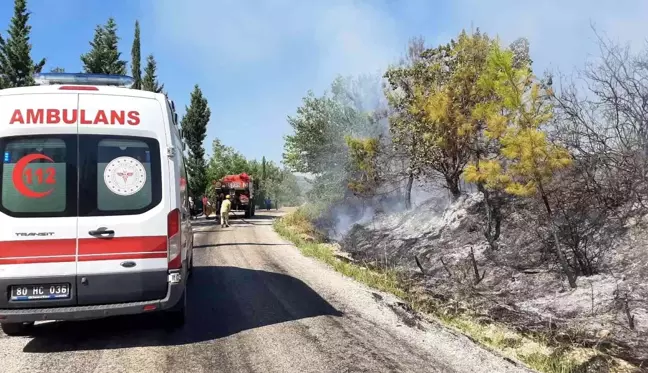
x=83, y=79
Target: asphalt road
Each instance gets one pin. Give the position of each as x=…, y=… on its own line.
x=255, y=305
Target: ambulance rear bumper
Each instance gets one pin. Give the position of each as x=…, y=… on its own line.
x=174, y=294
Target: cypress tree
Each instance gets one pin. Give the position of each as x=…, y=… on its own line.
x=150, y=82
x=16, y=65
x=136, y=58
x=194, y=129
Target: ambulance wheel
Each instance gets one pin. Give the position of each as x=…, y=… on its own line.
x=17, y=329
x=248, y=212
x=175, y=316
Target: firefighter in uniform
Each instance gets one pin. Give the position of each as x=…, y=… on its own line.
x=226, y=206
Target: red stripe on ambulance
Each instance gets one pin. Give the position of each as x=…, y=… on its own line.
x=90, y=249
x=120, y=245
x=121, y=256
x=33, y=260
x=26, y=248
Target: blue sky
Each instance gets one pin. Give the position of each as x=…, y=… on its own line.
x=256, y=59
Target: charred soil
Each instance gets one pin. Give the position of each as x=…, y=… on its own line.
x=441, y=253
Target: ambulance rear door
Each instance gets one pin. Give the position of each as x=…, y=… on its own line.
x=124, y=208
x=38, y=198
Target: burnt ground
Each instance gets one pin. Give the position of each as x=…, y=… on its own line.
x=522, y=285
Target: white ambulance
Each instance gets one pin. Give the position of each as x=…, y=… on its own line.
x=94, y=210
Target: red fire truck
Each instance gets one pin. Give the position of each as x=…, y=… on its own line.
x=241, y=191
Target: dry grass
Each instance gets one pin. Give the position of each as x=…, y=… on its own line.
x=534, y=352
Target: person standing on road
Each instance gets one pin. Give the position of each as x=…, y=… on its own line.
x=219, y=203
x=224, y=211
x=205, y=207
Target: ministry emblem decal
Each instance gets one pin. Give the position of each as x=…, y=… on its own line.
x=125, y=176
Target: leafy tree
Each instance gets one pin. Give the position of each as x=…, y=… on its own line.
x=435, y=119
x=521, y=56
x=399, y=92
x=283, y=188
x=225, y=160
x=275, y=183
x=150, y=81
x=194, y=129
x=440, y=96
x=318, y=144
x=104, y=56
x=290, y=193
x=16, y=64
x=467, y=98
x=136, y=58
x=526, y=161
x=364, y=167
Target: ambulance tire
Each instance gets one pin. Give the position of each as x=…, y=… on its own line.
x=176, y=316
x=17, y=329
x=190, y=266
x=248, y=211
x=253, y=210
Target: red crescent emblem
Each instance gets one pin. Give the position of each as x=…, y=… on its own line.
x=17, y=176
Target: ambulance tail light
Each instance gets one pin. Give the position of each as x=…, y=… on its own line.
x=74, y=79
x=174, y=241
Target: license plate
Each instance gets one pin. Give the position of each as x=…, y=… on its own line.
x=40, y=292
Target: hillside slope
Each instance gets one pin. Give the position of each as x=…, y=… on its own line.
x=522, y=285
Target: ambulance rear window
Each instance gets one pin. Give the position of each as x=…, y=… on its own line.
x=107, y=199
x=37, y=173
x=119, y=175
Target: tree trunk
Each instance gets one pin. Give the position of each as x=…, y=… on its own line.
x=562, y=258
x=408, y=191
x=493, y=218
x=453, y=186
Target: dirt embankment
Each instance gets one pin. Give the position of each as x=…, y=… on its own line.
x=442, y=250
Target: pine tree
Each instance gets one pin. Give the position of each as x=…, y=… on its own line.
x=4, y=64
x=526, y=160
x=194, y=129
x=16, y=64
x=136, y=58
x=113, y=64
x=93, y=61
x=150, y=82
x=103, y=57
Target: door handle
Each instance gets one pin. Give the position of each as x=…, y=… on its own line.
x=101, y=231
